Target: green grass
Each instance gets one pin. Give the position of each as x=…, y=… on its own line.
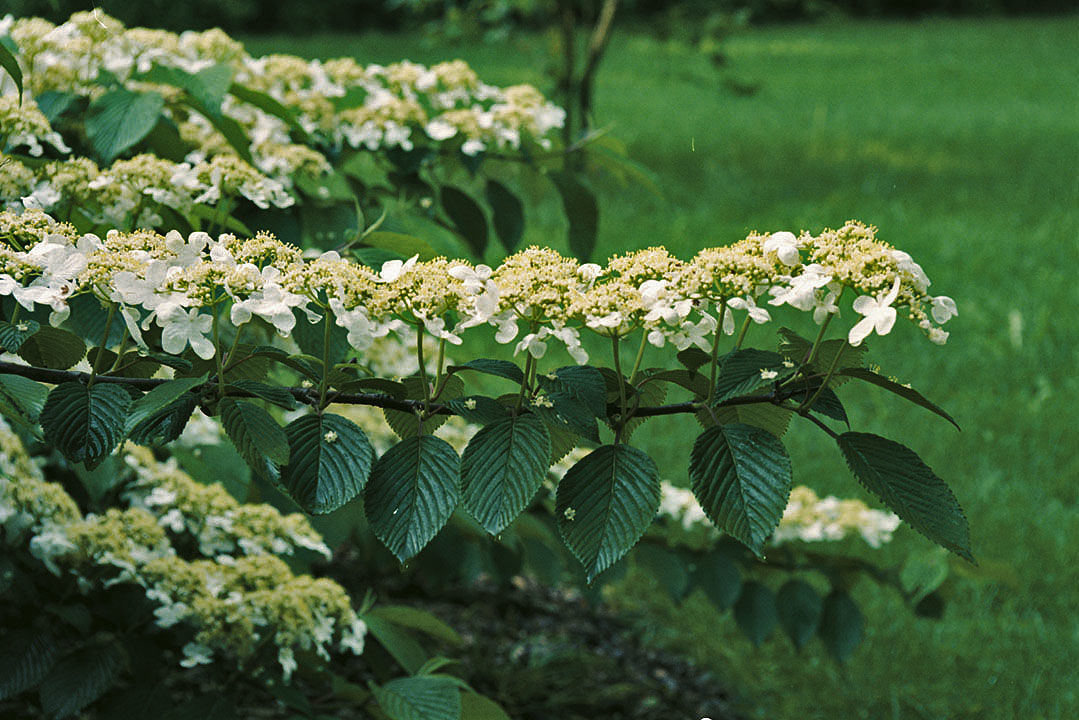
x=960, y=141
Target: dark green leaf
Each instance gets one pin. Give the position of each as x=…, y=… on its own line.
x=375, y=385
x=81, y=678
x=397, y=641
x=766, y=416
x=480, y=707
x=166, y=424
x=800, y=610
x=568, y=413
x=693, y=358
x=502, y=468
x=413, y=490
x=417, y=619
x=479, y=409
x=26, y=657
x=164, y=140
x=329, y=462
x=400, y=244
x=583, y=382
x=896, y=475
x=901, y=390
x=582, y=213
x=665, y=566
x=232, y=131
x=407, y=424
x=159, y=398
x=841, y=625
x=311, y=337
x=508, y=213
x=742, y=478
x=923, y=573
x=270, y=393
x=605, y=503
x=688, y=379
x=420, y=698
x=21, y=398
x=756, y=612
x=829, y=405
x=488, y=366
x=121, y=118
x=718, y=576
x=53, y=103
x=740, y=373
x=271, y=106
x=467, y=217
x=331, y=226
x=85, y=424
x=13, y=336
x=52, y=348
x=648, y=395
x=256, y=436
x=11, y=65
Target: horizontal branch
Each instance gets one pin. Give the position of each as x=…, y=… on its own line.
x=310, y=396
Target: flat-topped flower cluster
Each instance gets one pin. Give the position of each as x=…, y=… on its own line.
x=339, y=103
x=236, y=596
x=186, y=285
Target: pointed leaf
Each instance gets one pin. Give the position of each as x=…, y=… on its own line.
x=256, y=436
x=11, y=65
x=688, y=379
x=52, y=348
x=569, y=413
x=800, y=610
x=420, y=698
x=13, y=336
x=773, y=418
x=901, y=390
x=829, y=405
x=158, y=399
x=742, y=478
x=407, y=424
x=896, y=475
x=488, y=366
x=583, y=382
x=121, y=118
x=479, y=409
x=841, y=625
x=270, y=393
x=467, y=217
x=740, y=373
x=26, y=657
x=166, y=424
x=21, y=398
x=605, y=503
x=85, y=424
x=413, y=490
x=269, y=105
x=508, y=214
x=329, y=462
x=756, y=612
x=693, y=358
x=502, y=468
x=582, y=213
x=81, y=678
x=718, y=576
x=397, y=641
x=481, y=707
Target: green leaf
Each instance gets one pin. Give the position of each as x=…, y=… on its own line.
x=664, y=565
x=693, y=358
x=480, y=707
x=901, y=390
x=53, y=103
x=896, y=475
x=162, y=396
x=401, y=244
x=416, y=619
x=270, y=393
x=648, y=395
x=271, y=106
x=479, y=409
x=397, y=641
x=21, y=399
x=311, y=337
x=742, y=478
x=329, y=462
x=488, y=366
x=13, y=336
x=81, y=678
x=502, y=468
x=85, y=423
x=52, y=348
x=407, y=424
x=11, y=65
x=755, y=612
x=413, y=490
x=569, y=413
x=121, y=118
x=841, y=625
x=508, y=213
x=829, y=405
x=923, y=573
x=688, y=379
x=582, y=382
x=740, y=373
x=467, y=217
x=582, y=213
x=329, y=226
x=26, y=657
x=256, y=436
x=800, y=609
x=232, y=131
x=718, y=576
x=605, y=503
x=768, y=417
x=420, y=698
x=166, y=424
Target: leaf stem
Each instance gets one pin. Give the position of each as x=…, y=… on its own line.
x=324, y=385
x=217, y=354
x=715, y=350
x=640, y=356
x=621, y=388
x=828, y=376
x=742, y=333
x=525, y=383
x=101, y=347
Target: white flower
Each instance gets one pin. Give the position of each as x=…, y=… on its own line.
x=184, y=327
x=533, y=343
x=287, y=658
x=768, y=374
x=352, y=637
x=590, y=271
x=362, y=331
x=912, y=269
x=785, y=245
x=756, y=314
x=938, y=336
x=944, y=309
x=801, y=292
x=272, y=304
x=393, y=269
x=169, y=615
x=879, y=315
x=197, y=654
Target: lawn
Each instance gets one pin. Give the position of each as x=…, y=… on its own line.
x=960, y=141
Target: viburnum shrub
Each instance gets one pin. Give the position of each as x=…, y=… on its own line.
x=132, y=349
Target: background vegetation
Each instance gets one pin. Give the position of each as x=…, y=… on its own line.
x=958, y=139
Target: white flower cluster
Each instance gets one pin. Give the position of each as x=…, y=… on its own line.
x=807, y=517
x=234, y=597
x=181, y=284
